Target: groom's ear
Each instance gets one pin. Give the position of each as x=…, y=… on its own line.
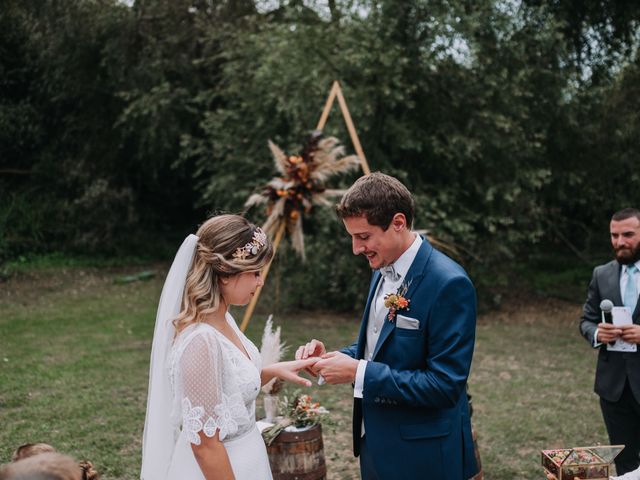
x=398, y=222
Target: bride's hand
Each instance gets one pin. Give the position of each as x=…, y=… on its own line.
x=314, y=348
x=289, y=371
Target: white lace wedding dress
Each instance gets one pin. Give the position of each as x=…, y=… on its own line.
x=215, y=387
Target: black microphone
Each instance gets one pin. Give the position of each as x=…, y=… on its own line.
x=607, y=306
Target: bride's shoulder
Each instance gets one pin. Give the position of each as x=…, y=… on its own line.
x=195, y=334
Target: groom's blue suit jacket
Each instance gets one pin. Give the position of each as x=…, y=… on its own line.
x=415, y=407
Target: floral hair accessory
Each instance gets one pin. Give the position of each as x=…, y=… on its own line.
x=258, y=241
x=397, y=301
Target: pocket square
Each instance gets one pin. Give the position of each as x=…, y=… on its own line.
x=407, y=322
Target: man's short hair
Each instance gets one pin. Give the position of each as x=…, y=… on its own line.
x=625, y=213
x=377, y=197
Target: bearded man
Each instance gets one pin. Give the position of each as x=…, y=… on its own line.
x=618, y=373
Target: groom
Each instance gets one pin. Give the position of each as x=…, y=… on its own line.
x=410, y=364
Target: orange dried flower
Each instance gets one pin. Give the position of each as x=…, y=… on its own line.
x=396, y=301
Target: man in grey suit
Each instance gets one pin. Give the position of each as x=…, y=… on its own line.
x=618, y=373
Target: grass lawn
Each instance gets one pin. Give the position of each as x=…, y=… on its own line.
x=74, y=352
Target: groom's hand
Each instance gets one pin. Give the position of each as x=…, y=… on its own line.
x=337, y=367
x=315, y=348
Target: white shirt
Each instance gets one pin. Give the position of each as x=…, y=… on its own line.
x=624, y=279
x=377, y=312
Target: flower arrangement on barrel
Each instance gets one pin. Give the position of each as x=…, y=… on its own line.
x=301, y=412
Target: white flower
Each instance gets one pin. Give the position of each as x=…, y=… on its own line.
x=210, y=427
x=225, y=418
x=192, y=420
x=320, y=410
x=227, y=412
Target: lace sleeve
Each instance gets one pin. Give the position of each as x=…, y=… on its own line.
x=206, y=406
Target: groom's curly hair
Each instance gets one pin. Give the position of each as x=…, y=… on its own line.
x=377, y=197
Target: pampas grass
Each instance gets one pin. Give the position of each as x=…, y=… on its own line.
x=271, y=351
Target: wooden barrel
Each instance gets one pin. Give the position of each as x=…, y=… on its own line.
x=298, y=455
x=479, y=475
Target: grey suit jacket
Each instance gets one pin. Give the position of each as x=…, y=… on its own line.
x=613, y=368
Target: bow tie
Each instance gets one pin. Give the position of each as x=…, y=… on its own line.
x=389, y=273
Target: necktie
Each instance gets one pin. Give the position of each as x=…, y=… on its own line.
x=630, y=291
x=389, y=273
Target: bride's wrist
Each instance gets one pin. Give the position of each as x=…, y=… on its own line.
x=268, y=373
x=274, y=370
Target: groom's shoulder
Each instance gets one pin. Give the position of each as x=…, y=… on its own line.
x=444, y=266
x=446, y=263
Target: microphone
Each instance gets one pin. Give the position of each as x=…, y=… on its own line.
x=607, y=306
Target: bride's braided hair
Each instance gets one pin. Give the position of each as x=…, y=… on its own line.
x=219, y=238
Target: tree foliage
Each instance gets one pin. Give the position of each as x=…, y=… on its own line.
x=514, y=123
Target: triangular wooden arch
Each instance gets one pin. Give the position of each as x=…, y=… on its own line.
x=335, y=92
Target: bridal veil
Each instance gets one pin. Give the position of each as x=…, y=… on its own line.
x=159, y=430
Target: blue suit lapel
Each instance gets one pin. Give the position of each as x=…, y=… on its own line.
x=414, y=277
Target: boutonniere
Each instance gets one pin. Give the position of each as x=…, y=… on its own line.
x=397, y=301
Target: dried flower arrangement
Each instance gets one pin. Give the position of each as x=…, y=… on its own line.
x=301, y=184
x=302, y=412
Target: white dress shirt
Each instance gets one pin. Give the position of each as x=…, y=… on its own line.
x=624, y=279
x=377, y=312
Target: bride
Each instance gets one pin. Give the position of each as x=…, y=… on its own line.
x=205, y=374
